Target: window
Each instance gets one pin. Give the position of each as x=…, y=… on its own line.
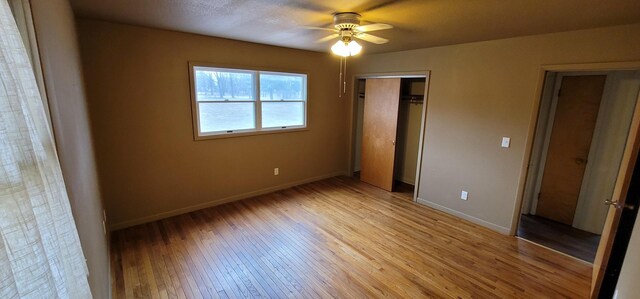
x=235, y=101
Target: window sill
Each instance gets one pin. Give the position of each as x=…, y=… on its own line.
x=245, y=134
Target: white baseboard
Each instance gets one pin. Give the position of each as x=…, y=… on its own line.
x=489, y=225
x=180, y=211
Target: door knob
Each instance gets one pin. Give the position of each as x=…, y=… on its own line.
x=393, y=142
x=615, y=204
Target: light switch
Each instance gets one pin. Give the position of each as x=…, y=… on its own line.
x=506, y=141
x=464, y=195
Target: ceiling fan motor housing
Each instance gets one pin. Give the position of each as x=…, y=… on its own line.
x=346, y=20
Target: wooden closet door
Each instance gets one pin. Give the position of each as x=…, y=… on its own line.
x=380, y=123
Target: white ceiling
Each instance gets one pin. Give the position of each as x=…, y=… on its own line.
x=418, y=24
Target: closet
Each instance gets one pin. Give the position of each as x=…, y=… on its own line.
x=388, y=122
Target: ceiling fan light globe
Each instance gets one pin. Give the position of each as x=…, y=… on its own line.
x=354, y=48
x=345, y=49
x=340, y=48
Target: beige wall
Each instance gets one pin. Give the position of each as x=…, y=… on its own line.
x=149, y=165
x=480, y=92
x=57, y=42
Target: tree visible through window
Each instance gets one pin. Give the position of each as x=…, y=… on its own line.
x=217, y=85
x=231, y=101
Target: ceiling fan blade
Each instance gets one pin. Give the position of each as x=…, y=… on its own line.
x=373, y=27
x=320, y=28
x=372, y=38
x=328, y=38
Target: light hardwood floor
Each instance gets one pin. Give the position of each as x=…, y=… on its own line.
x=334, y=238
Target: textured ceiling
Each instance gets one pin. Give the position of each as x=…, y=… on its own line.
x=418, y=24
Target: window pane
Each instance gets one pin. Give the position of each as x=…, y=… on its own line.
x=278, y=87
x=220, y=85
x=282, y=114
x=216, y=117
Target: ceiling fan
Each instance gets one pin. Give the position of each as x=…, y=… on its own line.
x=347, y=29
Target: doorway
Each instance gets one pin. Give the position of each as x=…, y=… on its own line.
x=581, y=134
x=388, y=123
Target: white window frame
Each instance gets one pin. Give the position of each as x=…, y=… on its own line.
x=257, y=101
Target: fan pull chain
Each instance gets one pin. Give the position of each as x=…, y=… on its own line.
x=342, y=85
x=344, y=91
x=340, y=79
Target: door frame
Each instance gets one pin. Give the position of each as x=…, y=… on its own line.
x=546, y=138
x=533, y=123
x=353, y=113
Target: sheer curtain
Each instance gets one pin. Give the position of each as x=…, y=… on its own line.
x=40, y=253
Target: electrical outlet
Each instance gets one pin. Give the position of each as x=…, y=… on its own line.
x=464, y=195
x=276, y=171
